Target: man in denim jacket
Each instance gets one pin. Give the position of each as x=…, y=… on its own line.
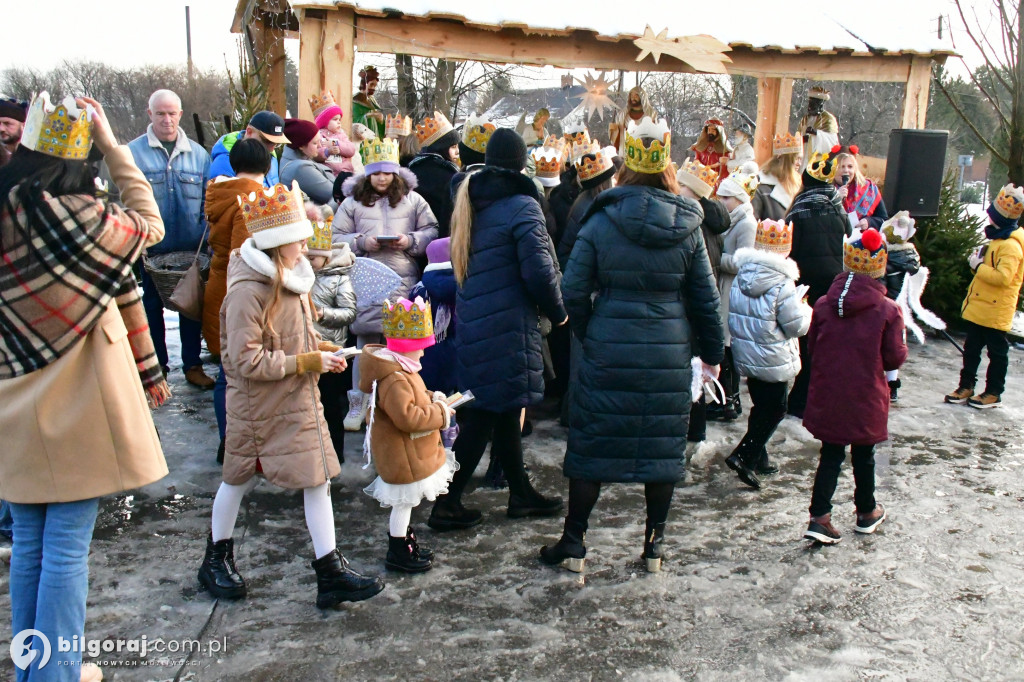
x=178, y=169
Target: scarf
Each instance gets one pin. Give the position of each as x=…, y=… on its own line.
x=54, y=289
x=740, y=212
x=298, y=280
x=408, y=364
x=862, y=199
x=997, y=232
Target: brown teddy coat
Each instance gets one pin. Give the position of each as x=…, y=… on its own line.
x=404, y=407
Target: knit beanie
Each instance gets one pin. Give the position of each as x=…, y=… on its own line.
x=11, y=108
x=739, y=186
x=865, y=254
x=439, y=250
x=506, y=149
x=1006, y=209
x=469, y=156
x=299, y=132
x=443, y=144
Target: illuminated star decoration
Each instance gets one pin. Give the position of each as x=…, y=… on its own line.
x=596, y=99
x=703, y=52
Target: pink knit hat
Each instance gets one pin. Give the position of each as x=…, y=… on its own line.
x=408, y=325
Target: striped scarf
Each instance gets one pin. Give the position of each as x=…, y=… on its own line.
x=56, y=282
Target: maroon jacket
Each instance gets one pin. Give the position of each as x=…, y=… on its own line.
x=856, y=336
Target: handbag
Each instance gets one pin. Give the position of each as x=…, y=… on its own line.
x=187, y=297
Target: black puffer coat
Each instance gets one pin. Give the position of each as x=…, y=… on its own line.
x=434, y=177
x=903, y=260
x=511, y=280
x=642, y=251
x=716, y=223
x=819, y=225
x=561, y=200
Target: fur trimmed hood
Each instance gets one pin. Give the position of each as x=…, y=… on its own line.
x=349, y=186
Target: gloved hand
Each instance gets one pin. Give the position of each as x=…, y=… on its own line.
x=976, y=258
x=449, y=435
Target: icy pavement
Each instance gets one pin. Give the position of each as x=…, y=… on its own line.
x=936, y=594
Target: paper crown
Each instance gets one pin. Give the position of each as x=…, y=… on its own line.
x=1009, y=203
x=408, y=325
x=64, y=131
x=775, y=236
x=433, y=129
x=787, y=143
x=818, y=92
x=698, y=177
x=578, y=143
x=865, y=254
x=549, y=160
x=656, y=157
x=476, y=132
x=322, y=102
x=736, y=183
x=378, y=151
x=320, y=243
x=899, y=229
x=594, y=161
x=397, y=126
x=276, y=216
x=822, y=166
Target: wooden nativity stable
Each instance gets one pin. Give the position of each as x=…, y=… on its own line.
x=770, y=41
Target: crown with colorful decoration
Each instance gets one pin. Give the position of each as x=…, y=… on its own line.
x=320, y=243
x=594, y=161
x=476, y=132
x=775, y=236
x=822, y=166
x=549, y=160
x=698, y=177
x=433, y=129
x=787, y=143
x=648, y=159
x=64, y=131
x=322, y=102
x=1010, y=201
x=276, y=216
x=378, y=151
x=865, y=253
x=577, y=138
x=407, y=325
x=397, y=126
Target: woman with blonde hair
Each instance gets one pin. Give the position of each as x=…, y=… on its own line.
x=860, y=195
x=779, y=179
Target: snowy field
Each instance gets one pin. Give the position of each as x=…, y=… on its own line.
x=936, y=594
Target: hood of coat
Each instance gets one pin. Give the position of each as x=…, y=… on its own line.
x=372, y=367
x=249, y=264
x=648, y=216
x=429, y=158
x=222, y=195
x=760, y=271
x=852, y=293
x=349, y=186
x=493, y=184
x=341, y=261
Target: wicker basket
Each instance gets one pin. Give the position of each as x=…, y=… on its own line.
x=167, y=269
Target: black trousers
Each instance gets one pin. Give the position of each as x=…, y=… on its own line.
x=998, y=345
x=798, y=395
x=333, y=389
x=583, y=496
x=729, y=377
x=477, y=428
x=768, y=409
x=697, y=429
x=825, y=479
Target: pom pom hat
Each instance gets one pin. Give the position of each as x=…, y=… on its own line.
x=275, y=217
x=865, y=254
x=1005, y=211
x=408, y=325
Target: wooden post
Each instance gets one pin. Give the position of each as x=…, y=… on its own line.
x=915, y=98
x=268, y=44
x=768, y=92
x=326, y=58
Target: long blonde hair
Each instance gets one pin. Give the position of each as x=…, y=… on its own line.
x=858, y=176
x=783, y=167
x=275, y=289
x=461, y=229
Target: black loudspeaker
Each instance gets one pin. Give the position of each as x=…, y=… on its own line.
x=914, y=169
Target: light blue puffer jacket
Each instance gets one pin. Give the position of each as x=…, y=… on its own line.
x=766, y=316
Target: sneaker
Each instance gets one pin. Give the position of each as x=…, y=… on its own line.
x=985, y=401
x=197, y=377
x=823, y=531
x=894, y=387
x=960, y=396
x=867, y=523
x=358, y=404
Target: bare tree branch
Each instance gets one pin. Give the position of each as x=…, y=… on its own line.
x=974, y=39
x=960, y=112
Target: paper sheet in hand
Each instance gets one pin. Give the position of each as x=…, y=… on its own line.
x=348, y=352
x=457, y=400
x=373, y=282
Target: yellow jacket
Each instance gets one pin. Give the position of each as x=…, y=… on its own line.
x=992, y=297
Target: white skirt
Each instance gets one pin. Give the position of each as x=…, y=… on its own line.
x=411, y=494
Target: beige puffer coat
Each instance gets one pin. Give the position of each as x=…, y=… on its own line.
x=275, y=419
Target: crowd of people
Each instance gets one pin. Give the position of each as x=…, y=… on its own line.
x=372, y=281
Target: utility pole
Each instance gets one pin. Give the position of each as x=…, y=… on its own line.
x=940, y=27
x=188, y=41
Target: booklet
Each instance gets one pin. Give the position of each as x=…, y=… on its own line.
x=348, y=352
x=457, y=400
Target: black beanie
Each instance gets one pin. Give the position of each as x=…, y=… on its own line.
x=10, y=108
x=443, y=144
x=506, y=149
x=469, y=156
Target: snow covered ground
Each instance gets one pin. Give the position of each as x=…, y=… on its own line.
x=936, y=594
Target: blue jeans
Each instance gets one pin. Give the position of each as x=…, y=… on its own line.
x=6, y=523
x=220, y=410
x=50, y=581
x=191, y=332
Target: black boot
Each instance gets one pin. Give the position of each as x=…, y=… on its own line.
x=424, y=552
x=336, y=582
x=220, y=452
x=654, y=539
x=894, y=387
x=569, y=552
x=402, y=556
x=449, y=514
x=218, y=574
x=743, y=470
x=764, y=465
x=532, y=503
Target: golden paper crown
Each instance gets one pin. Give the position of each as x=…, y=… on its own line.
x=322, y=236
x=577, y=143
x=433, y=129
x=397, y=126
x=1010, y=202
x=64, y=131
x=321, y=103
x=407, y=319
x=787, y=143
x=377, y=151
x=549, y=160
x=476, y=132
x=775, y=236
x=748, y=183
x=653, y=159
x=698, y=177
x=858, y=257
x=276, y=216
x=594, y=162
x=822, y=166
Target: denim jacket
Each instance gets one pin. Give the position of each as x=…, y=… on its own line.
x=179, y=187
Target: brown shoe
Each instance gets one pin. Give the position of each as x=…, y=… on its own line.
x=867, y=523
x=960, y=396
x=197, y=377
x=820, y=529
x=985, y=401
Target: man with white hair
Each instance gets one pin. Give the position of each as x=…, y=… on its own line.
x=178, y=169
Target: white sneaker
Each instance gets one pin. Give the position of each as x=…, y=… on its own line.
x=357, y=405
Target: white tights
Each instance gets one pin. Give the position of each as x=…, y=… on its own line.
x=317, y=502
x=401, y=515
x=892, y=375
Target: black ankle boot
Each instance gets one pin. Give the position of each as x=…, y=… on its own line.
x=336, y=582
x=402, y=556
x=894, y=389
x=743, y=470
x=569, y=552
x=450, y=515
x=424, y=552
x=218, y=573
x=764, y=466
x=532, y=503
x=654, y=539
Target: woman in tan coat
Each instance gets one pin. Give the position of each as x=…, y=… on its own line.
x=404, y=439
x=77, y=366
x=272, y=356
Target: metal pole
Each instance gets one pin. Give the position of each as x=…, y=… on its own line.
x=188, y=41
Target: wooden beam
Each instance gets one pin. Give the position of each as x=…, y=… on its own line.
x=915, y=98
x=768, y=91
x=268, y=44
x=784, y=105
x=326, y=58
